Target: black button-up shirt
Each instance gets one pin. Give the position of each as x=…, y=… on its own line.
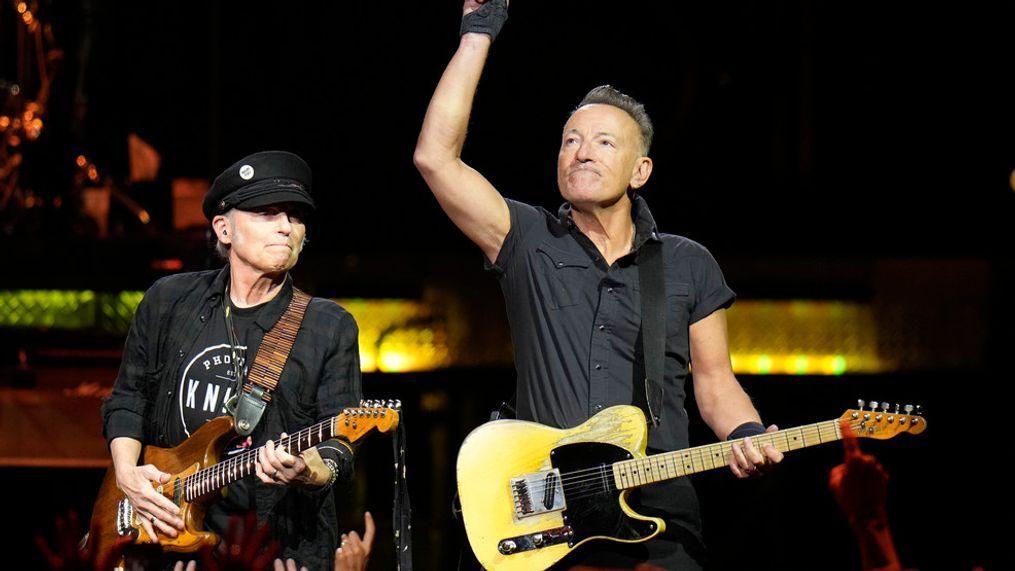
x=320, y=379
x=576, y=322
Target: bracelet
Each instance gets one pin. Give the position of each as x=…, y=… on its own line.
x=487, y=19
x=334, y=472
x=747, y=429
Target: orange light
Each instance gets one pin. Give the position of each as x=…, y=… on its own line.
x=5, y=121
x=171, y=264
x=81, y=161
x=22, y=7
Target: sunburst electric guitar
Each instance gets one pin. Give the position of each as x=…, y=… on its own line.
x=531, y=494
x=198, y=474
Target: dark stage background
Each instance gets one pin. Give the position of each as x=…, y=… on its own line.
x=794, y=139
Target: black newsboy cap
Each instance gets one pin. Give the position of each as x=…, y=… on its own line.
x=260, y=179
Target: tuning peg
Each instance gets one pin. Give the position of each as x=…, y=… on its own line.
x=896, y=408
x=884, y=407
x=908, y=408
x=919, y=410
x=362, y=402
x=860, y=403
x=874, y=405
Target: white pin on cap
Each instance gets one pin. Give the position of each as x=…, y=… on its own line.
x=246, y=172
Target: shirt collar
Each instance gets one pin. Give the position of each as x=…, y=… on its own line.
x=272, y=310
x=644, y=224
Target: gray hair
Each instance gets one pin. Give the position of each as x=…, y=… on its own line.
x=608, y=95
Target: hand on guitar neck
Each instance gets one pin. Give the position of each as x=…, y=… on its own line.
x=276, y=467
x=747, y=461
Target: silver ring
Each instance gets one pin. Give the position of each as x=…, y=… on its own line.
x=274, y=475
x=155, y=520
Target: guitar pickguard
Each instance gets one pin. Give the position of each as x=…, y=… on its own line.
x=593, y=502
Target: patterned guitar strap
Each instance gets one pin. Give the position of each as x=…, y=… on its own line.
x=271, y=358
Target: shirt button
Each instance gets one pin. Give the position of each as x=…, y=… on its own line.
x=598, y=407
x=203, y=318
x=598, y=366
x=181, y=352
x=610, y=290
x=560, y=264
x=602, y=327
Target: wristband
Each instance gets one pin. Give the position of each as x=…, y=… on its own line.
x=487, y=19
x=747, y=429
x=334, y=472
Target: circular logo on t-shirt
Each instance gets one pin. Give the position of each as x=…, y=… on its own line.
x=207, y=383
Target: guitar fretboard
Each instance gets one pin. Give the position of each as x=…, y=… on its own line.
x=669, y=465
x=242, y=465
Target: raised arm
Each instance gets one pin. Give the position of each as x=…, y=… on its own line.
x=467, y=197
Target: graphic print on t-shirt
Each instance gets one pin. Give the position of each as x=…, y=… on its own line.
x=207, y=382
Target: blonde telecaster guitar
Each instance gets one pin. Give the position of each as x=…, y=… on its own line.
x=531, y=494
x=198, y=475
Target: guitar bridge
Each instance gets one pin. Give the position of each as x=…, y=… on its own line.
x=537, y=493
x=125, y=518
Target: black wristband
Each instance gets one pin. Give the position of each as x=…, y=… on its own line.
x=747, y=429
x=487, y=19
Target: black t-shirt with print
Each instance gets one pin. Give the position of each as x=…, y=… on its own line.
x=206, y=381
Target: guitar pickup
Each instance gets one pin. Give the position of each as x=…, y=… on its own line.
x=538, y=540
x=537, y=493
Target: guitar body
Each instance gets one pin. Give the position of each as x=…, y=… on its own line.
x=531, y=494
x=113, y=517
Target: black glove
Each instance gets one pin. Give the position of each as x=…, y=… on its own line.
x=488, y=19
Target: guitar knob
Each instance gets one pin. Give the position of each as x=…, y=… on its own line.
x=507, y=547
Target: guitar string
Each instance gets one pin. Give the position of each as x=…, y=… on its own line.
x=217, y=475
x=207, y=476
x=601, y=483
x=578, y=478
x=604, y=483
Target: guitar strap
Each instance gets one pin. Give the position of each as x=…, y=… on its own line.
x=271, y=358
x=653, y=327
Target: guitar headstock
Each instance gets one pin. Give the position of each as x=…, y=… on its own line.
x=882, y=423
x=354, y=423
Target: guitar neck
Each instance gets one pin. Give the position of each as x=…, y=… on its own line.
x=224, y=473
x=669, y=465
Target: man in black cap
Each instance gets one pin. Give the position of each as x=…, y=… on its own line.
x=195, y=336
